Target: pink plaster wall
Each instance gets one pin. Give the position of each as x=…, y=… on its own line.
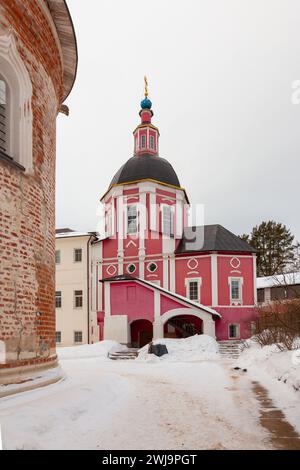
x=203, y=270
x=225, y=270
x=136, y=306
x=242, y=316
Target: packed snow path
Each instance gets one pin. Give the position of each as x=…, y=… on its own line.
x=137, y=405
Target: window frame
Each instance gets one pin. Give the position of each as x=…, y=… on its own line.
x=237, y=326
x=188, y=281
x=56, y=253
x=76, y=297
x=131, y=217
x=60, y=335
x=170, y=220
x=233, y=300
x=75, y=332
x=151, y=142
x=74, y=255
x=58, y=296
x=143, y=141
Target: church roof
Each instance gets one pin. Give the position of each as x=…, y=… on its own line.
x=211, y=238
x=146, y=166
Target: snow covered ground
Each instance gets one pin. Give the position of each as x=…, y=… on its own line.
x=279, y=372
x=196, y=401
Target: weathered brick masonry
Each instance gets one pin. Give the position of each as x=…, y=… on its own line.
x=27, y=199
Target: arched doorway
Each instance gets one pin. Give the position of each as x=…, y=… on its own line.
x=182, y=326
x=141, y=333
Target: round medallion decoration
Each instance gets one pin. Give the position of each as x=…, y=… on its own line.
x=235, y=263
x=192, y=263
x=111, y=270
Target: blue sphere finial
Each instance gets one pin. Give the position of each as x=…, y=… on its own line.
x=146, y=103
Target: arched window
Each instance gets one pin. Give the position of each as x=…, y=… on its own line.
x=143, y=141
x=152, y=142
x=3, y=115
x=15, y=104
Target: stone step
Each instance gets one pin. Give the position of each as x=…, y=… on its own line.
x=127, y=354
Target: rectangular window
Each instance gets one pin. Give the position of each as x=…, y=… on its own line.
x=235, y=290
x=58, y=299
x=233, y=331
x=77, y=255
x=194, y=290
x=131, y=219
x=3, y=116
x=77, y=336
x=58, y=336
x=78, y=299
x=152, y=142
x=167, y=220
x=143, y=141
x=57, y=256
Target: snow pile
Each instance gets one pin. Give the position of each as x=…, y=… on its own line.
x=193, y=348
x=100, y=349
x=283, y=366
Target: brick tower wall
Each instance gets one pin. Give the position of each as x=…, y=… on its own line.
x=27, y=200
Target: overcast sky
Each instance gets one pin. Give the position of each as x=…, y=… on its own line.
x=220, y=76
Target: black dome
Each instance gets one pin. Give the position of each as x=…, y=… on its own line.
x=146, y=166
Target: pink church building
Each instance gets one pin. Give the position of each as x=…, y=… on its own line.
x=153, y=276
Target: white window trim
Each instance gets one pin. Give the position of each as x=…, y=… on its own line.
x=19, y=125
x=238, y=331
x=143, y=136
x=127, y=219
x=172, y=216
x=187, y=282
x=241, y=282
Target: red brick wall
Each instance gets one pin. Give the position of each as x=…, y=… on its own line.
x=27, y=201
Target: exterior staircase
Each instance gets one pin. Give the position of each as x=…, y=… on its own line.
x=230, y=348
x=127, y=354
x=186, y=329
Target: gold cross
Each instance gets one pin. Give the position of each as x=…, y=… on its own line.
x=146, y=86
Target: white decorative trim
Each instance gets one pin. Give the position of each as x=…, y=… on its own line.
x=111, y=270
x=131, y=242
x=107, y=299
x=239, y=301
x=128, y=266
x=235, y=263
x=148, y=266
x=172, y=273
x=254, y=280
x=187, y=282
x=214, y=280
x=195, y=263
x=156, y=304
x=19, y=86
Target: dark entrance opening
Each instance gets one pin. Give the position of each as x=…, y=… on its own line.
x=141, y=333
x=183, y=326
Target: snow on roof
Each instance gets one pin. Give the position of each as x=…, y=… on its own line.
x=287, y=279
x=69, y=234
